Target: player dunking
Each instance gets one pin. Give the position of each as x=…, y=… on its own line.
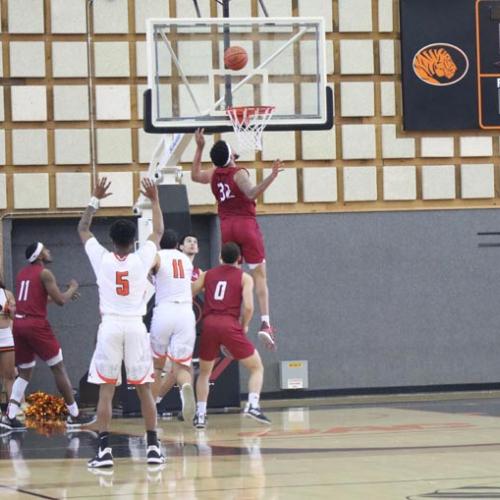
x=33, y=334
x=122, y=279
x=236, y=196
x=173, y=326
x=227, y=289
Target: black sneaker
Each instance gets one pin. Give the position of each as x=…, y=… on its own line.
x=200, y=420
x=81, y=420
x=256, y=413
x=103, y=459
x=12, y=424
x=154, y=455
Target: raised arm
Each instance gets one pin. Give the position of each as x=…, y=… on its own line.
x=100, y=192
x=197, y=174
x=50, y=284
x=245, y=184
x=149, y=190
x=247, y=293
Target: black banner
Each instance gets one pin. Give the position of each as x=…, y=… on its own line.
x=438, y=45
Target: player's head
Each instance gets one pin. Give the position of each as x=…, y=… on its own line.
x=38, y=252
x=122, y=233
x=222, y=155
x=230, y=253
x=169, y=240
x=188, y=244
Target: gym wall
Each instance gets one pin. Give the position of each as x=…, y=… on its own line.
x=364, y=263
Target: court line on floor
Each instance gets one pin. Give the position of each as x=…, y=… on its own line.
x=26, y=492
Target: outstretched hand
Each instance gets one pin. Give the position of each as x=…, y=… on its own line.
x=101, y=188
x=199, y=138
x=149, y=189
x=277, y=168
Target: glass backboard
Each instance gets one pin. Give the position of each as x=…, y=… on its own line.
x=190, y=87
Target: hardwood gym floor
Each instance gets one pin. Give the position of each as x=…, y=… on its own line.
x=413, y=447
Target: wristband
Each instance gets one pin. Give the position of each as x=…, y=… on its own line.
x=94, y=202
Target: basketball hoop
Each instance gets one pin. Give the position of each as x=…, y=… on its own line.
x=248, y=123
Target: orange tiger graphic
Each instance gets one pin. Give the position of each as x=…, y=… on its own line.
x=431, y=63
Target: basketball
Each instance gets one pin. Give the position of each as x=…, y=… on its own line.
x=235, y=58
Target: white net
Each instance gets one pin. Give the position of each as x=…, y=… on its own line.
x=248, y=123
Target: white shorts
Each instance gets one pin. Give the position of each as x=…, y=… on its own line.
x=6, y=340
x=173, y=332
x=121, y=339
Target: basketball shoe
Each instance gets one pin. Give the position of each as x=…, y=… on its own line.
x=267, y=335
x=154, y=455
x=80, y=420
x=256, y=413
x=188, y=402
x=200, y=420
x=12, y=424
x=103, y=459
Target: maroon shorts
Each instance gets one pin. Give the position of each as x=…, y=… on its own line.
x=223, y=330
x=33, y=336
x=246, y=233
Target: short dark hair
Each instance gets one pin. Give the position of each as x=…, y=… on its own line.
x=30, y=249
x=122, y=232
x=220, y=153
x=187, y=235
x=230, y=252
x=169, y=240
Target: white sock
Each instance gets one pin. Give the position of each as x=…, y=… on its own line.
x=265, y=317
x=253, y=399
x=73, y=409
x=17, y=395
x=201, y=407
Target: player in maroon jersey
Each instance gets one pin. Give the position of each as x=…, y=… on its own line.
x=227, y=312
x=33, y=334
x=236, y=196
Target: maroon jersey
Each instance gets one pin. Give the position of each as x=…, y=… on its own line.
x=230, y=199
x=31, y=295
x=223, y=291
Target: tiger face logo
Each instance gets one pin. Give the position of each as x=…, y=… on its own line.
x=440, y=64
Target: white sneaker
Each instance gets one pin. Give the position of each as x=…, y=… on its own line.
x=188, y=402
x=103, y=458
x=154, y=455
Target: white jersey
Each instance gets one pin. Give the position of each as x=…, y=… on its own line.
x=173, y=279
x=122, y=281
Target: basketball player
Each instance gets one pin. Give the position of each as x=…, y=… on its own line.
x=122, y=279
x=7, y=359
x=173, y=326
x=236, y=196
x=33, y=334
x=189, y=247
x=227, y=289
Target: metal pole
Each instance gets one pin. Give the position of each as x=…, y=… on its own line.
x=197, y=7
x=263, y=7
x=227, y=41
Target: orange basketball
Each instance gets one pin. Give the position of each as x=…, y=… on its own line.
x=235, y=58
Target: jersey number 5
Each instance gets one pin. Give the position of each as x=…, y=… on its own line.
x=122, y=284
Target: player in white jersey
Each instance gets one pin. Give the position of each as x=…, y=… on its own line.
x=122, y=278
x=173, y=326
